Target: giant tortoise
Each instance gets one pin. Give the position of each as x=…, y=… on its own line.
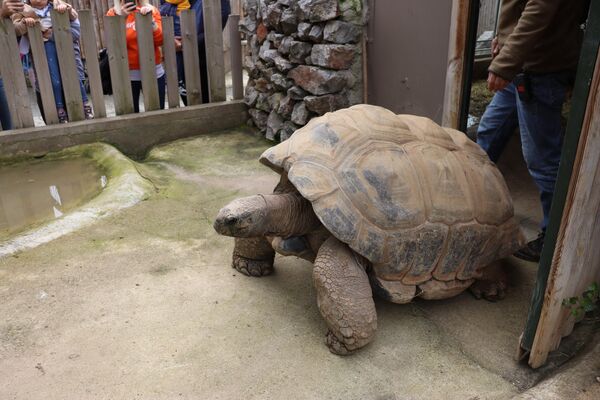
x=393, y=204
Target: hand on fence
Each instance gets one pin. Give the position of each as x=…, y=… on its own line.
x=146, y=10
x=61, y=7
x=30, y=22
x=127, y=8
x=178, y=44
x=9, y=7
x=47, y=34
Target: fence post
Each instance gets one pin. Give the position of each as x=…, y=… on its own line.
x=88, y=39
x=213, y=34
x=42, y=74
x=145, y=39
x=170, y=61
x=61, y=28
x=191, y=61
x=118, y=64
x=13, y=77
x=235, y=49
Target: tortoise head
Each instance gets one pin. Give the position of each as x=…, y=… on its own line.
x=244, y=217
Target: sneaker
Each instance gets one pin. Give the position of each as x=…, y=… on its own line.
x=533, y=249
x=87, y=111
x=62, y=116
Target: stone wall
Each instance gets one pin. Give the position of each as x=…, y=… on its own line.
x=304, y=59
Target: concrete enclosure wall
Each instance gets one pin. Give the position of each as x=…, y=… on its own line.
x=407, y=53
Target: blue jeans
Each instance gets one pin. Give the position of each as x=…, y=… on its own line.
x=54, y=69
x=539, y=122
x=5, y=119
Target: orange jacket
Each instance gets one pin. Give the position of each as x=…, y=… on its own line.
x=131, y=37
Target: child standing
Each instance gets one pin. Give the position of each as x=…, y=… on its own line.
x=128, y=9
x=39, y=12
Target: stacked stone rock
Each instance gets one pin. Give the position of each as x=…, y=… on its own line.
x=304, y=59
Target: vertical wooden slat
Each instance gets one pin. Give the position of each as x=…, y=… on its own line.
x=170, y=61
x=42, y=73
x=213, y=34
x=118, y=64
x=190, y=57
x=143, y=27
x=13, y=77
x=61, y=28
x=93, y=68
x=235, y=50
x=576, y=263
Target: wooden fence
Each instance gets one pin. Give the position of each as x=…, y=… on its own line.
x=114, y=41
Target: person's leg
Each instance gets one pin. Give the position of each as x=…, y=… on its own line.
x=181, y=77
x=203, y=75
x=498, y=123
x=136, y=87
x=54, y=70
x=5, y=118
x=541, y=138
x=161, y=91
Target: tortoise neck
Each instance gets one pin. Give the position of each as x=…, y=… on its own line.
x=290, y=214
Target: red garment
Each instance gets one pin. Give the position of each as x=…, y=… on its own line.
x=131, y=37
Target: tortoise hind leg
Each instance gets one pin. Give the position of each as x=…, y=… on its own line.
x=492, y=284
x=344, y=298
x=253, y=256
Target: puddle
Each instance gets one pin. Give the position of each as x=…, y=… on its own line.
x=32, y=193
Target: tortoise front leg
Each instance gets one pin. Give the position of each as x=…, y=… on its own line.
x=253, y=256
x=344, y=298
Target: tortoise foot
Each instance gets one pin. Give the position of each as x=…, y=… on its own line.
x=336, y=346
x=492, y=284
x=249, y=267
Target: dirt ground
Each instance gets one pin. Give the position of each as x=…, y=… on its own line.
x=144, y=304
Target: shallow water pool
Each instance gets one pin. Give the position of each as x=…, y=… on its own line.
x=38, y=191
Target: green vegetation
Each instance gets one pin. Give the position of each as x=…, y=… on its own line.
x=587, y=302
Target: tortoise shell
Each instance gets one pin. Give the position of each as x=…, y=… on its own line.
x=422, y=203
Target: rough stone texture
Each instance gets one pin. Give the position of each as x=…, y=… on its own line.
x=289, y=21
x=286, y=107
x=318, y=81
x=319, y=10
x=341, y=32
x=326, y=103
x=300, y=115
x=297, y=93
x=315, y=34
x=300, y=48
x=303, y=30
x=274, y=123
x=250, y=96
x=259, y=118
x=287, y=130
x=299, y=51
x=333, y=56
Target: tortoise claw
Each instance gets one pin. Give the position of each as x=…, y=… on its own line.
x=336, y=346
x=249, y=267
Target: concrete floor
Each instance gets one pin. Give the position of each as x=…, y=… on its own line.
x=144, y=304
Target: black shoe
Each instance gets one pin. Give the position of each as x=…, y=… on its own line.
x=533, y=249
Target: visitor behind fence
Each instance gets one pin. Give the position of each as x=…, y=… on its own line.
x=128, y=9
x=39, y=12
x=8, y=7
x=173, y=8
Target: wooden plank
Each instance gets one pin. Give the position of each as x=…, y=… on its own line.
x=13, y=77
x=145, y=39
x=191, y=61
x=93, y=68
x=235, y=50
x=170, y=61
x=123, y=131
x=576, y=263
x=42, y=73
x=456, y=63
x=213, y=35
x=61, y=28
x=118, y=64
